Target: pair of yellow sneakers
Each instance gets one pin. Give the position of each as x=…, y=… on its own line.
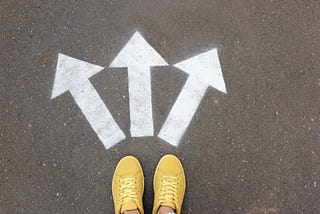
x=128, y=185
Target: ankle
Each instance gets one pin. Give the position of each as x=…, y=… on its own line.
x=132, y=212
x=165, y=210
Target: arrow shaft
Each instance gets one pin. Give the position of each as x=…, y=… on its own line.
x=183, y=111
x=97, y=114
x=141, y=119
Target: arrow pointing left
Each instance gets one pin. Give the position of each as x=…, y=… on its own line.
x=73, y=75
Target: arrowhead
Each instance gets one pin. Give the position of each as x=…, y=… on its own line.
x=71, y=72
x=138, y=52
x=206, y=68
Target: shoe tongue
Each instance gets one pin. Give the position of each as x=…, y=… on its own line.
x=169, y=204
x=130, y=205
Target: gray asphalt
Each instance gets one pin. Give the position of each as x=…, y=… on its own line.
x=254, y=150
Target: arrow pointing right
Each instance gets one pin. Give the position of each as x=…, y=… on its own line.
x=204, y=70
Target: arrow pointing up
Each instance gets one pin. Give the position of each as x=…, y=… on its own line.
x=73, y=75
x=138, y=56
x=204, y=71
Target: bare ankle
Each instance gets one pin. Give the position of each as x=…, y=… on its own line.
x=165, y=210
x=132, y=212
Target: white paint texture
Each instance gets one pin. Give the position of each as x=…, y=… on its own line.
x=73, y=75
x=138, y=56
x=204, y=70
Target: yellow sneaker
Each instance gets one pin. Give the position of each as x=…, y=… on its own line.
x=169, y=184
x=128, y=185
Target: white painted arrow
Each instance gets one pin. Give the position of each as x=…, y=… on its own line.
x=138, y=56
x=204, y=70
x=73, y=75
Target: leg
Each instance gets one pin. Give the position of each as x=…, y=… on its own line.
x=165, y=210
x=132, y=212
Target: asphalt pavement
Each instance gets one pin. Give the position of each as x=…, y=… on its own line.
x=253, y=150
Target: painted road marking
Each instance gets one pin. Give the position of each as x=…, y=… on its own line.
x=204, y=70
x=73, y=75
x=138, y=56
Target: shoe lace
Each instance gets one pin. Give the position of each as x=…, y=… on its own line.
x=169, y=189
x=128, y=191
